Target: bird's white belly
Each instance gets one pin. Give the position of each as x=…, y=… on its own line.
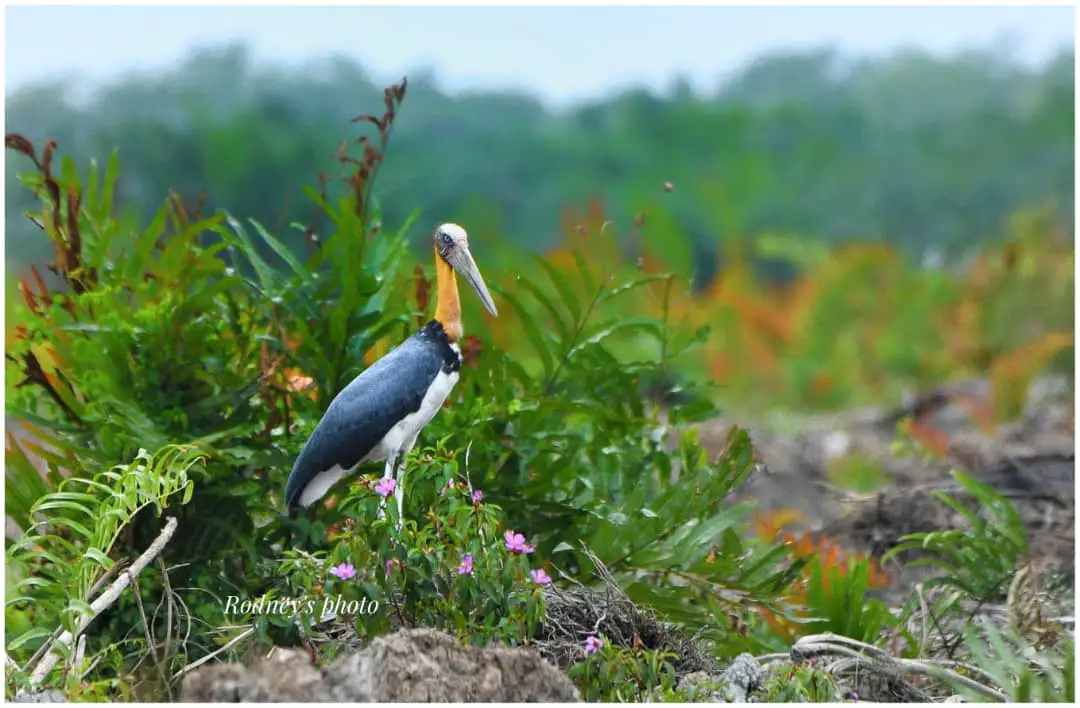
x=403, y=435
x=321, y=484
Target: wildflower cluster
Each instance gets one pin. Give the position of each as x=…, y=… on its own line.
x=452, y=565
x=343, y=571
x=385, y=487
x=516, y=542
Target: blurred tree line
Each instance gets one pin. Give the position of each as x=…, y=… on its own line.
x=930, y=154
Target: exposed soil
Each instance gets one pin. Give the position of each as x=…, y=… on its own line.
x=1031, y=461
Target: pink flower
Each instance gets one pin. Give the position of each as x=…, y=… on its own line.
x=466, y=565
x=389, y=563
x=477, y=496
x=343, y=571
x=593, y=644
x=385, y=487
x=540, y=576
x=516, y=542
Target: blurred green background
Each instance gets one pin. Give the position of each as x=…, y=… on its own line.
x=787, y=181
x=926, y=153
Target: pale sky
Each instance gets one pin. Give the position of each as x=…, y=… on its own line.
x=563, y=53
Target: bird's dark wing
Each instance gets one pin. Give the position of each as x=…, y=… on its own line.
x=364, y=412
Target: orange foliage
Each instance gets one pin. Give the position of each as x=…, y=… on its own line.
x=831, y=557
x=649, y=263
x=562, y=259
x=772, y=526
x=1011, y=374
x=932, y=439
x=982, y=412
x=470, y=350
x=719, y=367
x=821, y=385
x=762, y=318
x=297, y=381
x=962, y=326
x=423, y=290
x=377, y=351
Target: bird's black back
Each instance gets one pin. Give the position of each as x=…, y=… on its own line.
x=364, y=411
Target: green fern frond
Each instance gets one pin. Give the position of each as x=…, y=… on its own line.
x=78, y=524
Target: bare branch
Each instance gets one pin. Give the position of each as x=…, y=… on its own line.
x=862, y=655
x=228, y=645
x=102, y=603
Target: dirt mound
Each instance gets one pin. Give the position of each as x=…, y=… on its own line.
x=415, y=666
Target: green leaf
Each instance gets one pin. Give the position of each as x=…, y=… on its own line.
x=73, y=525
x=532, y=331
x=50, y=503
x=279, y=248
x=566, y=292
x=631, y=285
x=70, y=175
x=565, y=329
x=627, y=325
x=269, y=281
x=78, y=608
x=28, y=636
x=95, y=555
x=108, y=189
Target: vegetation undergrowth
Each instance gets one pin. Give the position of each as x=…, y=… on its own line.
x=165, y=376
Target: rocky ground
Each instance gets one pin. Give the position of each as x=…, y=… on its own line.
x=414, y=666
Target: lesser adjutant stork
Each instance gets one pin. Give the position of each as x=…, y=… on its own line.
x=381, y=412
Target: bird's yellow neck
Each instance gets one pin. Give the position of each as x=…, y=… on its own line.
x=448, y=307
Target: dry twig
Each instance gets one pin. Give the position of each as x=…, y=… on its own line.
x=860, y=656
x=575, y=613
x=228, y=645
x=102, y=603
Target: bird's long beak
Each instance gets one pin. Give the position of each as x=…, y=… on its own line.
x=464, y=264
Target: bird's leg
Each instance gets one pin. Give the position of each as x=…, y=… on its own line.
x=399, y=490
x=388, y=473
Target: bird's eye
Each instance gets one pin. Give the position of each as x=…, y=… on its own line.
x=447, y=238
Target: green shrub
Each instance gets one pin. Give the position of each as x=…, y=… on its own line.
x=1020, y=672
x=457, y=568
x=62, y=564
x=979, y=560
x=800, y=683
x=622, y=674
x=837, y=601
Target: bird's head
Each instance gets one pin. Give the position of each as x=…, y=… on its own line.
x=452, y=245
